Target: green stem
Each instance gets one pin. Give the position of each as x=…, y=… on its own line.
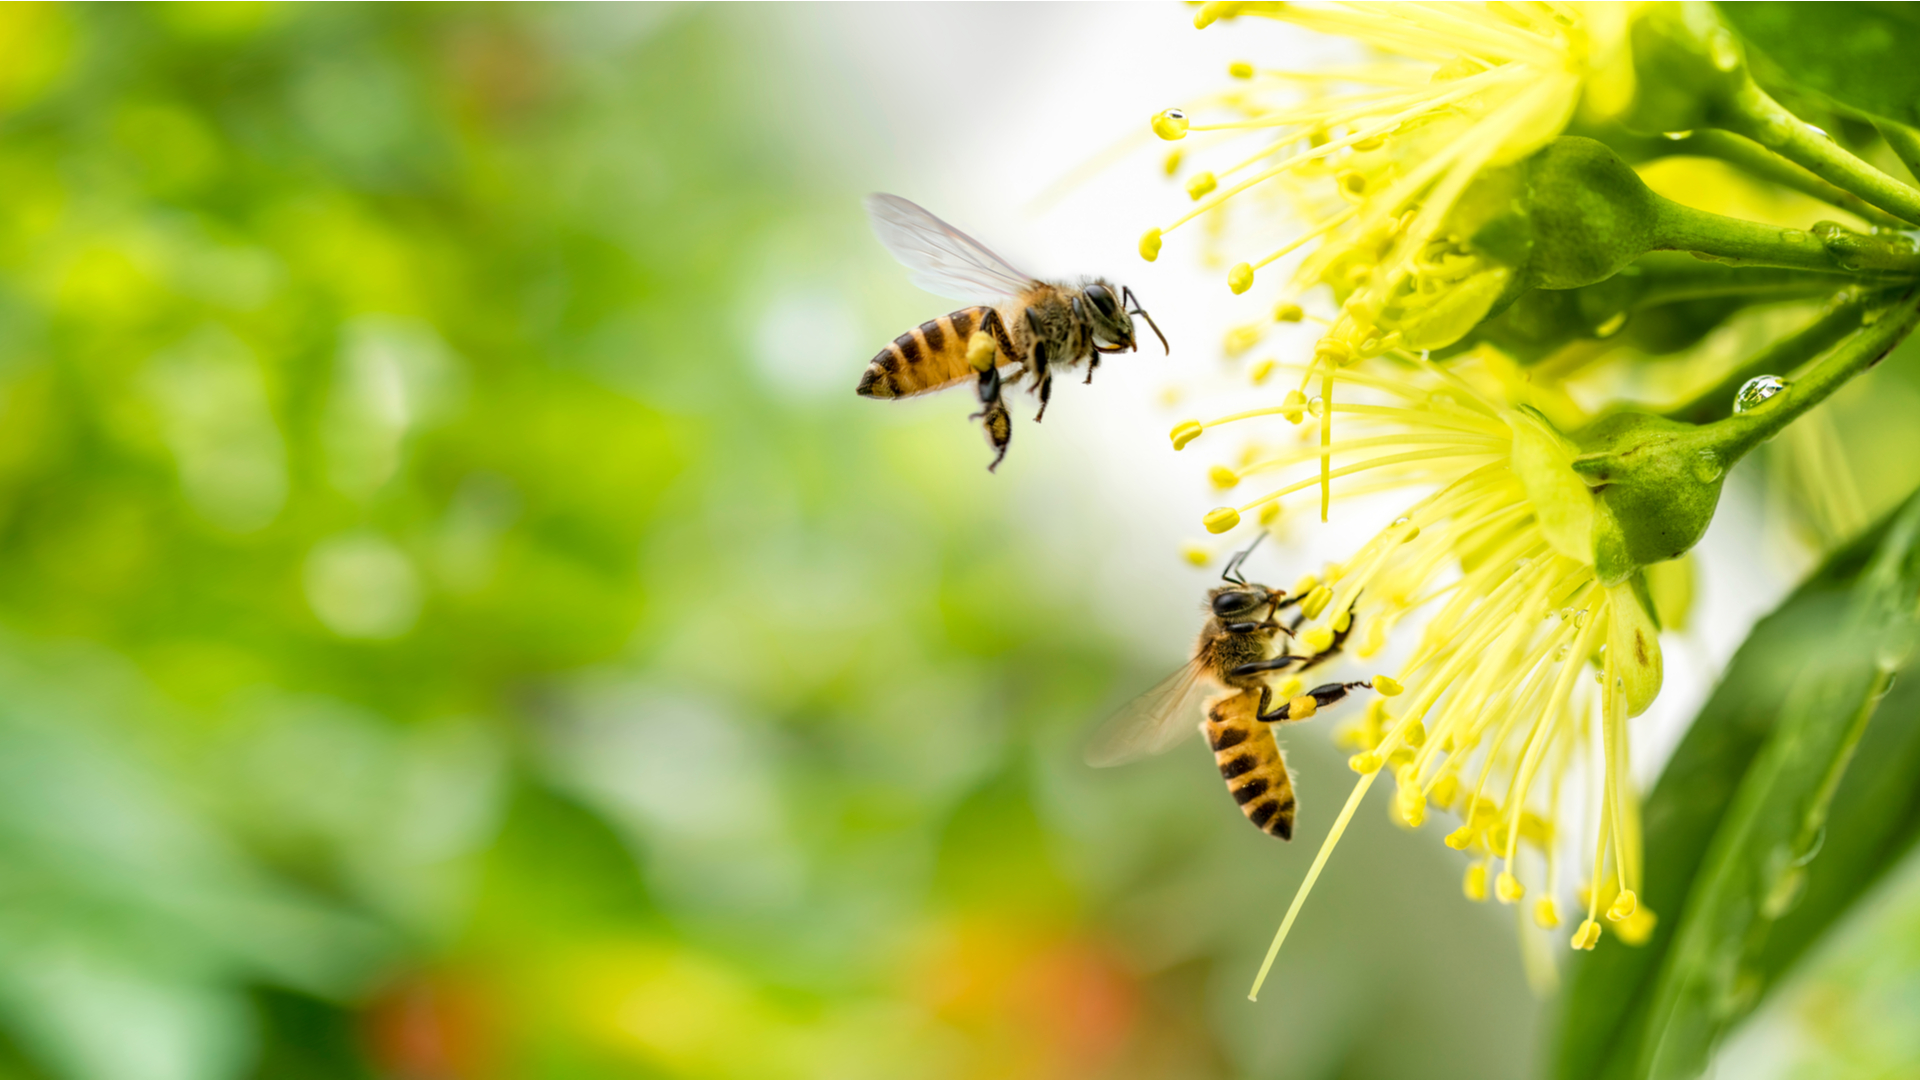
x=1746, y=243
x=1903, y=140
x=1758, y=117
x=1756, y=160
x=1737, y=435
x=1841, y=318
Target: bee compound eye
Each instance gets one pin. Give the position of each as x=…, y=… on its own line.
x=1102, y=298
x=1230, y=603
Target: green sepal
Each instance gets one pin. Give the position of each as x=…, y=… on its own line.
x=1656, y=483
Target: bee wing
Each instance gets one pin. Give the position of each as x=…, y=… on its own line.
x=944, y=260
x=1153, y=722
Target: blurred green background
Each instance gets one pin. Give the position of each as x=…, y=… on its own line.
x=434, y=643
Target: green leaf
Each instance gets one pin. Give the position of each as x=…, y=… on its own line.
x=1860, y=55
x=1740, y=753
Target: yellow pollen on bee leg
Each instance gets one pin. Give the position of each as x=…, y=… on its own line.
x=981, y=350
x=1185, y=432
x=1220, y=519
x=1302, y=707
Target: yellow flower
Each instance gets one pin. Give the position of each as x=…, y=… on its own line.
x=1405, y=168
x=1529, y=666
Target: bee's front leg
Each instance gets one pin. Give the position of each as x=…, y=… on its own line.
x=1093, y=362
x=993, y=415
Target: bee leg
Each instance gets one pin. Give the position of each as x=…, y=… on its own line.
x=1322, y=696
x=1092, y=363
x=1042, y=374
x=1259, y=666
x=992, y=325
x=993, y=416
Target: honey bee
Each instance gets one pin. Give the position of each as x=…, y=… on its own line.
x=1235, y=654
x=1016, y=323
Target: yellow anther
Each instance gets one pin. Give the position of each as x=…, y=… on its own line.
x=981, y=350
x=1375, y=639
x=1405, y=529
x=1259, y=373
x=1390, y=688
x=1342, y=622
x=1508, y=888
x=1535, y=829
x=1401, y=756
x=1365, y=763
x=1200, y=185
x=1498, y=835
x=1545, y=915
x=1306, y=584
x=1170, y=124
x=1338, y=353
x=1220, y=519
x=1359, y=274
x=1173, y=162
x=1409, y=803
x=1461, y=838
x=1289, y=687
x=1196, y=554
x=1374, y=143
x=1318, y=639
x=1185, y=432
x=1288, y=311
x=1476, y=884
x=1223, y=477
x=1214, y=9
x=1150, y=244
x=1240, y=278
x=1623, y=906
x=1270, y=512
x=1587, y=936
x=1416, y=735
x=1352, y=184
x=1241, y=338
x=1316, y=601
x=1635, y=929
x=1294, y=406
x=1240, y=69
x=1444, y=789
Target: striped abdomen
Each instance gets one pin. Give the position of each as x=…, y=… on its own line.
x=1250, y=762
x=928, y=357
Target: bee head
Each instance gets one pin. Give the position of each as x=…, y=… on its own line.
x=1237, y=602
x=1111, y=322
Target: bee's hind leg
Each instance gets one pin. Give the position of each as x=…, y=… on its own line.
x=993, y=416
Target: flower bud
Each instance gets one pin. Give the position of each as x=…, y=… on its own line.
x=1591, y=214
x=1655, y=482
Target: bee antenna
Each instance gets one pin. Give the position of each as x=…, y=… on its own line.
x=1126, y=292
x=1232, y=572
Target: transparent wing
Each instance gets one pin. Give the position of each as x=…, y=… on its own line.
x=1153, y=722
x=944, y=260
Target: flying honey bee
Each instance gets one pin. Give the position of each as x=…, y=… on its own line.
x=1016, y=322
x=1235, y=653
